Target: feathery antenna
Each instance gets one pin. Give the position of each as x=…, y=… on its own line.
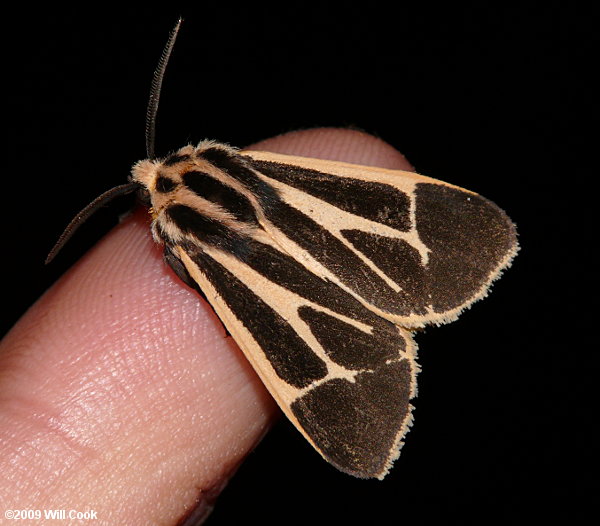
x=157, y=81
x=127, y=188
x=82, y=216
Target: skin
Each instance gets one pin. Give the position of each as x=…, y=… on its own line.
x=119, y=391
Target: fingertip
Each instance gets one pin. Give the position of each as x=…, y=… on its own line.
x=337, y=144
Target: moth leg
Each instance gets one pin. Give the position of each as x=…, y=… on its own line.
x=182, y=273
x=179, y=268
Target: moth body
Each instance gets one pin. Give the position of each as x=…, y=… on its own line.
x=320, y=270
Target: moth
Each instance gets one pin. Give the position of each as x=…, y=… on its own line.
x=321, y=271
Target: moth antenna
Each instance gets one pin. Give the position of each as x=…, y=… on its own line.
x=157, y=81
x=82, y=216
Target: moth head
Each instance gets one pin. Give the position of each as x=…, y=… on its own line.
x=144, y=173
x=157, y=179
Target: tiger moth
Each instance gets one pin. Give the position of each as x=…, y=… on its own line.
x=321, y=271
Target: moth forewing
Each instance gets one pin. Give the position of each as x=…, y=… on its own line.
x=354, y=451
x=430, y=248
x=345, y=169
x=382, y=447
x=317, y=269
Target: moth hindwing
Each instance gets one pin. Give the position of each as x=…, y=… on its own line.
x=320, y=270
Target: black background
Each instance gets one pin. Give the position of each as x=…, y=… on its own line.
x=494, y=99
